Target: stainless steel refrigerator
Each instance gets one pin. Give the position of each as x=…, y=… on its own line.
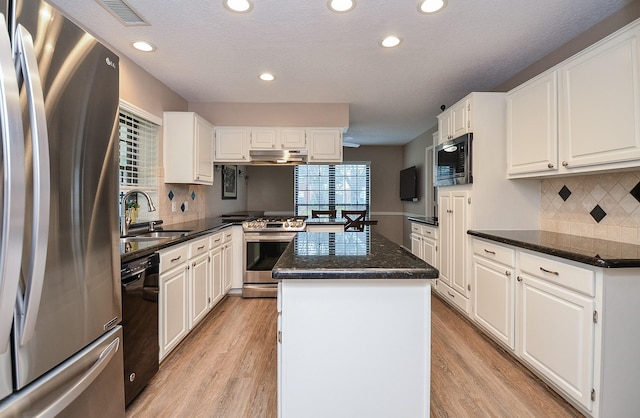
x=60, y=306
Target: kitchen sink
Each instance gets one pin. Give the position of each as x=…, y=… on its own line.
x=154, y=236
x=163, y=234
x=141, y=239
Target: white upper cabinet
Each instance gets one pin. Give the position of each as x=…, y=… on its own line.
x=590, y=103
x=325, y=145
x=600, y=103
x=278, y=138
x=455, y=121
x=232, y=144
x=293, y=138
x=532, y=125
x=188, y=148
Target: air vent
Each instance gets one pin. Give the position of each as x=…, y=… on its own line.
x=123, y=12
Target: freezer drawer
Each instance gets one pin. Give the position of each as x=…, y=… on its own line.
x=89, y=384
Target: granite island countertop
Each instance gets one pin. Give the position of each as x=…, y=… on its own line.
x=132, y=250
x=349, y=255
x=326, y=221
x=592, y=251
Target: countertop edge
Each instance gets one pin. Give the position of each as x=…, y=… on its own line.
x=595, y=261
x=431, y=221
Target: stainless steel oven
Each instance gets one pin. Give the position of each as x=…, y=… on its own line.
x=265, y=240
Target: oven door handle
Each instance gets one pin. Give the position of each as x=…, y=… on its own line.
x=268, y=237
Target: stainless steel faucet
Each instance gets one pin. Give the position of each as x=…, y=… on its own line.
x=125, y=219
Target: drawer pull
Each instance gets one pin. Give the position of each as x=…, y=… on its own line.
x=489, y=252
x=173, y=260
x=555, y=273
x=451, y=294
x=200, y=247
x=428, y=232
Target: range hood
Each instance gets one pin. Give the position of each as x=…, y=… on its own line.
x=278, y=156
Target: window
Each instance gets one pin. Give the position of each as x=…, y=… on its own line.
x=326, y=187
x=138, y=156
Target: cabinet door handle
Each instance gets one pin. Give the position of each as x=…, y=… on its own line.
x=173, y=260
x=550, y=165
x=507, y=273
x=565, y=164
x=555, y=273
x=519, y=278
x=489, y=252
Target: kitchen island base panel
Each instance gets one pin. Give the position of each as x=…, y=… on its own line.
x=354, y=348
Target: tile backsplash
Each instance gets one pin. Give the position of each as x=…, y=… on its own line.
x=605, y=206
x=189, y=199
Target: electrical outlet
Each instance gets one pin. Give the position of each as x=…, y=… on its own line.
x=173, y=207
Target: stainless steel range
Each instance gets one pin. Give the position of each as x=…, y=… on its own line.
x=265, y=239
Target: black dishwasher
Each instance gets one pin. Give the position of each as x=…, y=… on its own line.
x=140, y=323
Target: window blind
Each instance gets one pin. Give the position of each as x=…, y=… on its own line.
x=138, y=157
x=328, y=187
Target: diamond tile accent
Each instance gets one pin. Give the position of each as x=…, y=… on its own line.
x=193, y=195
x=182, y=207
x=564, y=193
x=635, y=192
x=171, y=195
x=598, y=213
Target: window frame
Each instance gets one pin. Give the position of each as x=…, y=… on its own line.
x=151, y=184
x=333, y=189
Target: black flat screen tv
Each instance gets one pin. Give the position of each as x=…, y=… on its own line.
x=409, y=184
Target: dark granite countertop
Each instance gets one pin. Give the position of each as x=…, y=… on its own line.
x=326, y=221
x=592, y=251
x=132, y=250
x=349, y=255
x=433, y=221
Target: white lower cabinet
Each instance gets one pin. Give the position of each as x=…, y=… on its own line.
x=215, y=276
x=570, y=323
x=199, y=293
x=342, y=353
x=173, y=321
x=194, y=277
x=556, y=323
x=453, y=219
x=424, y=243
x=493, y=285
x=227, y=260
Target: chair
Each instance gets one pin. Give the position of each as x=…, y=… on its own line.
x=355, y=220
x=323, y=213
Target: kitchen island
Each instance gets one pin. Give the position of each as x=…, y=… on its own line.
x=354, y=327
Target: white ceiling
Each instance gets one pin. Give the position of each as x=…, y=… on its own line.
x=208, y=54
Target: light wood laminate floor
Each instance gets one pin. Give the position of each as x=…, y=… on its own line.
x=227, y=368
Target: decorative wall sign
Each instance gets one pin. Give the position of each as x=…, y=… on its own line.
x=229, y=181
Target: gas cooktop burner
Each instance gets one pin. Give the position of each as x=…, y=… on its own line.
x=275, y=224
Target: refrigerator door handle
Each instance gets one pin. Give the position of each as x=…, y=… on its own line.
x=80, y=385
x=25, y=59
x=14, y=187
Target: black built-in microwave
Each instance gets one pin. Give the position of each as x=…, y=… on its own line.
x=452, y=162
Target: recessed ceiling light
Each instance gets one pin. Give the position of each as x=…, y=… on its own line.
x=143, y=46
x=431, y=6
x=341, y=6
x=390, y=41
x=239, y=6
x=267, y=77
